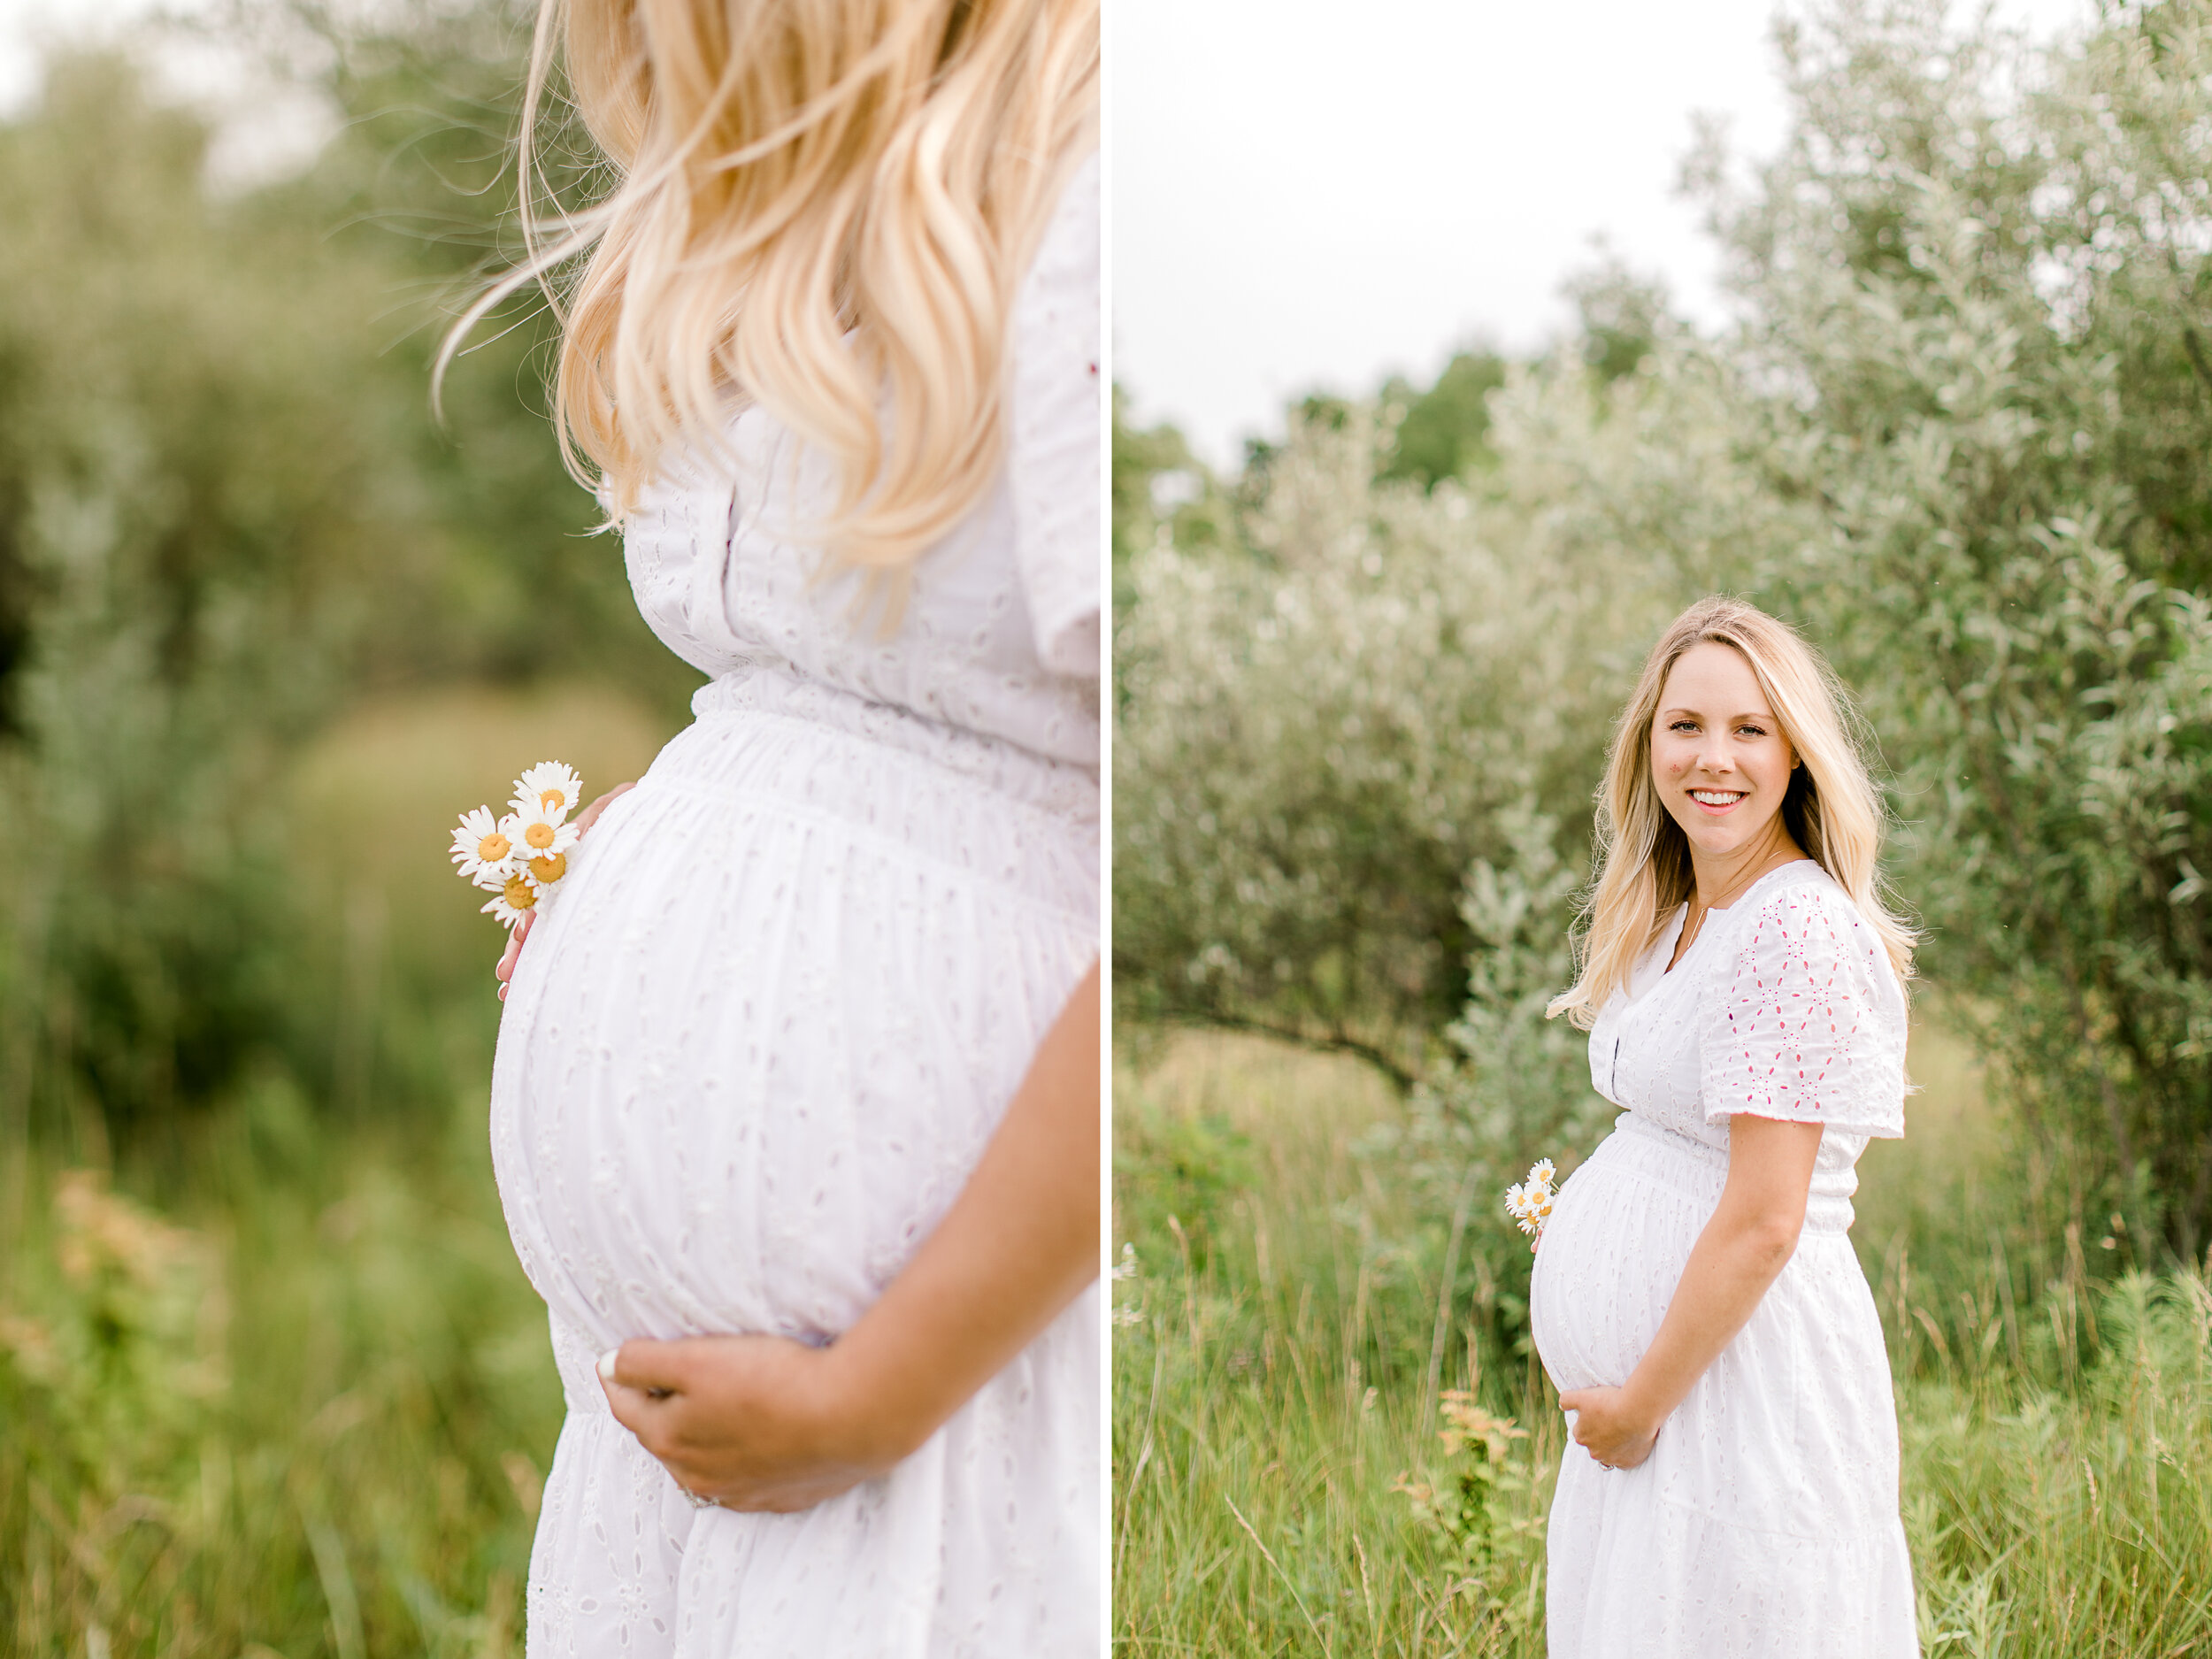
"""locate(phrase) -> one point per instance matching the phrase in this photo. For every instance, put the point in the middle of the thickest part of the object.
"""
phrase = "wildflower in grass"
(1131, 1312)
(551, 787)
(484, 848)
(1471, 1501)
(1467, 1423)
(513, 901)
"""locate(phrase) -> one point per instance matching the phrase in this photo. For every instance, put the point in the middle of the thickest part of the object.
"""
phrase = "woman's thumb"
(641, 1364)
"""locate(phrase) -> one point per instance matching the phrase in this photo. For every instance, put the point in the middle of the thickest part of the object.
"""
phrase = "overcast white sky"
(1314, 195)
(263, 129)
(24, 24)
(1311, 194)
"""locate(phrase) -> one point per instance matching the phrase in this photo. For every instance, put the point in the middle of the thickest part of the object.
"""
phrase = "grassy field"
(1320, 1450)
(274, 1383)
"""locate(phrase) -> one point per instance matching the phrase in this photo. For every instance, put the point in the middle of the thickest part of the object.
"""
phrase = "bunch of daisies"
(520, 859)
(1530, 1203)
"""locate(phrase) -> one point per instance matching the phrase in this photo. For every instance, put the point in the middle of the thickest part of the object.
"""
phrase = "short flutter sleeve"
(1056, 411)
(1803, 1019)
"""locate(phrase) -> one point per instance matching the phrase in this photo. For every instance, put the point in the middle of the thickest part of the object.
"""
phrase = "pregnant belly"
(1612, 1254)
(752, 1055)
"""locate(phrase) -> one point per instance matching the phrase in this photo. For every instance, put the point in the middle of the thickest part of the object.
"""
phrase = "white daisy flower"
(514, 901)
(483, 846)
(1530, 1203)
(549, 787)
(543, 836)
(545, 870)
(1517, 1205)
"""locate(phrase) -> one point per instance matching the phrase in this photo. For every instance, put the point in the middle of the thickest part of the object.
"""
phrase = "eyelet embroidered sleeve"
(1804, 1020)
(1055, 423)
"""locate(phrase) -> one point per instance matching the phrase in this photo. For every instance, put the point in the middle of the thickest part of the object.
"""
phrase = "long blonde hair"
(1831, 808)
(823, 207)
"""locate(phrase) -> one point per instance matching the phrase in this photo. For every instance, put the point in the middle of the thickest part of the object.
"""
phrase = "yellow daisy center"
(521, 894)
(494, 847)
(549, 869)
(552, 799)
(539, 835)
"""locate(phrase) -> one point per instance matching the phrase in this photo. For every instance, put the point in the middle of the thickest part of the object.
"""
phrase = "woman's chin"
(1724, 835)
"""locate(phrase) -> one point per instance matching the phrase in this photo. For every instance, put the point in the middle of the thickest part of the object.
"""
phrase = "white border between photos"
(1106, 831)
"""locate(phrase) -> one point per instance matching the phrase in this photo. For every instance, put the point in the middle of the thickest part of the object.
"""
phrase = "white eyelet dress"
(1765, 1524)
(759, 1038)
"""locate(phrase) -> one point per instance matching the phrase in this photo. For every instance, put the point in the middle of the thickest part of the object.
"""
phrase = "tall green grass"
(1290, 1477)
(306, 1411)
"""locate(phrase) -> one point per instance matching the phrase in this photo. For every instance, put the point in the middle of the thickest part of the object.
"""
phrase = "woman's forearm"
(1018, 1245)
(1735, 1259)
(1743, 1249)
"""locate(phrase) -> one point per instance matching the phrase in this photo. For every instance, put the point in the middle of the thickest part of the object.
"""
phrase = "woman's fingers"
(645, 1365)
(505, 970)
(752, 1422)
(644, 1382)
(589, 815)
(1598, 1423)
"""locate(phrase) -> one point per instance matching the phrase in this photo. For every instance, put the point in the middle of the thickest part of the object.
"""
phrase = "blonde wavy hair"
(1832, 809)
(823, 207)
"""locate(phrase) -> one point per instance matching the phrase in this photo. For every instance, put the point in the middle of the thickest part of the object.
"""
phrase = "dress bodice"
(1783, 1006)
(999, 630)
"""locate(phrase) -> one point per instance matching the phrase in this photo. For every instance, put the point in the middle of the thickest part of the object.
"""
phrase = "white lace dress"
(757, 1043)
(1765, 1524)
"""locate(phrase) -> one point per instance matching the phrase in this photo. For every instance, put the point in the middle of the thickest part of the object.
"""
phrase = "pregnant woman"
(1731, 1488)
(795, 1111)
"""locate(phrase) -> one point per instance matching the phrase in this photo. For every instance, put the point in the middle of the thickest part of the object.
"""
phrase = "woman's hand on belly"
(1608, 1427)
(759, 1423)
(752, 1422)
(585, 819)
(1740, 1251)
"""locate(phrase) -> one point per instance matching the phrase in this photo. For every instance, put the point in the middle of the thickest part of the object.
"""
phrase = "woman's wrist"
(869, 1417)
(1643, 1400)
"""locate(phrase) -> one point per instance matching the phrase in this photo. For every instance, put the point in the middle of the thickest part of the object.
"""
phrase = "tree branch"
(1337, 1042)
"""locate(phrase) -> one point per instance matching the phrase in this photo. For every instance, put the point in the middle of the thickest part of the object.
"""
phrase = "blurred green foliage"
(226, 515)
(1958, 435)
(270, 1378)
(1444, 429)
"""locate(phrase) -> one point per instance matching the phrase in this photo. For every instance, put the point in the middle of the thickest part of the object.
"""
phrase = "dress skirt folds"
(1764, 1524)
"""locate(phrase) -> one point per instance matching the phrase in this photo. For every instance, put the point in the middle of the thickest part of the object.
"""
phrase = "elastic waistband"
(1640, 1148)
(757, 691)
(977, 810)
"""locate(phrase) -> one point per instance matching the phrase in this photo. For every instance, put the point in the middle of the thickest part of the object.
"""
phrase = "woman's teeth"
(1716, 797)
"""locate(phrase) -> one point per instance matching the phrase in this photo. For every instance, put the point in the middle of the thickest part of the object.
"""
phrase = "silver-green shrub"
(1959, 434)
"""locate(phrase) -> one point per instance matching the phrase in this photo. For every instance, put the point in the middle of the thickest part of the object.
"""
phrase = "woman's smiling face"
(1719, 757)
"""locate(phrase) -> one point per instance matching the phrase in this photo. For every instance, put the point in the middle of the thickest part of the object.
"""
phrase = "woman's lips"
(1722, 802)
